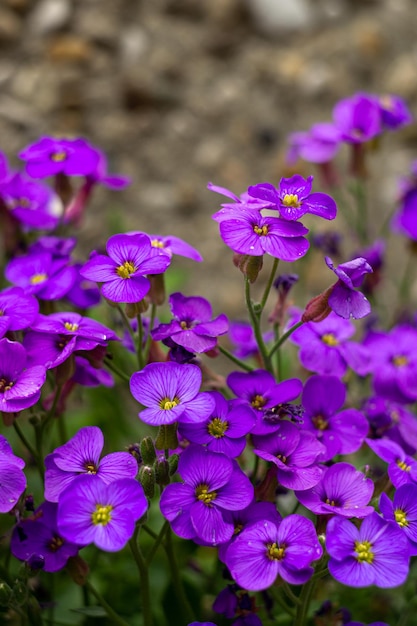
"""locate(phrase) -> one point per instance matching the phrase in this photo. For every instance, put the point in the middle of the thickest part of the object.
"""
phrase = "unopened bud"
(78, 570)
(133, 309)
(5, 593)
(250, 266)
(162, 472)
(20, 592)
(156, 294)
(147, 480)
(147, 450)
(318, 308)
(167, 437)
(173, 464)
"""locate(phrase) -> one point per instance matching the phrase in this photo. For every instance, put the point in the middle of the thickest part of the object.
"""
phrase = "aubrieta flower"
(320, 144)
(233, 601)
(122, 272)
(17, 310)
(362, 624)
(344, 299)
(83, 293)
(375, 554)
(242, 336)
(38, 535)
(392, 420)
(403, 511)
(12, 477)
(293, 198)
(343, 490)
(171, 393)
(267, 550)
(225, 430)
(358, 118)
(20, 386)
(394, 111)
(402, 468)
(325, 347)
(213, 484)
(342, 432)
(172, 245)
(81, 455)
(49, 156)
(91, 511)
(192, 326)
(242, 202)
(31, 203)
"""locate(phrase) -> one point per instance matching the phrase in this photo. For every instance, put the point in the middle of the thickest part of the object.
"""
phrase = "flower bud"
(78, 570)
(173, 464)
(147, 480)
(156, 294)
(147, 450)
(162, 472)
(133, 309)
(318, 308)
(167, 437)
(5, 593)
(250, 266)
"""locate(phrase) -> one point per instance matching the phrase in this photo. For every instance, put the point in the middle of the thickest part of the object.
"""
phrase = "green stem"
(144, 579)
(255, 469)
(256, 327)
(359, 193)
(140, 341)
(278, 360)
(176, 580)
(110, 612)
(157, 543)
(29, 447)
(269, 283)
(149, 337)
(290, 594)
(235, 360)
(279, 597)
(304, 602)
(127, 323)
(116, 370)
(150, 532)
(284, 337)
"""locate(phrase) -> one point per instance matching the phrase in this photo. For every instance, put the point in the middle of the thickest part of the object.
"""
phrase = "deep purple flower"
(295, 454)
(240, 204)
(91, 511)
(84, 293)
(81, 455)
(328, 242)
(130, 258)
(394, 111)
(266, 397)
(255, 235)
(89, 376)
(404, 220)
(40, 274)
(17, 310)
(20, 386)
(172, 245)
(362, 624)
(293, 198)
(58, 247)
(343, 490)
(403, 511)
(376, 554)
(392, 420)
(38, 535)
(171, 393)
(358, 118)
(12, 477)
(266, 550)
(202, 624)
(320, 144)
(344, 299)
(213, 484)
(242, 336)
(192, 326)
(233, 601)
(402, 469)
(342, 432)
(49, 156)
(31, 203)
(326, 349)
(226, 428)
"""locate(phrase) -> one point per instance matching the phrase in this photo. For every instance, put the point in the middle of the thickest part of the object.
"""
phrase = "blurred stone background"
(182, 92)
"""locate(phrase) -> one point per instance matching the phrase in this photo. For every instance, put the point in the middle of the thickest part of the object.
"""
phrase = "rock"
(49, 16)
(133, 44)
(10, 26)
(70, 48)
(400, 76)
(278, 16)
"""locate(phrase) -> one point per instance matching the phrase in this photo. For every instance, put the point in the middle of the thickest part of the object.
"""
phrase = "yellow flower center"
(125, 270)
(184, 325)
(5, 385)
(320, 422)
(70, 326)
(401, 518)
(102, 514)
(156, 243)
(58, 157)
(38, 278)
(274, 553)
(261, 230)
(364, 552)
(217, 427)
(403, 465)
(330, 340)
(331, 502)
(56, 543)
(400, 360)
(90, 467)
(258, 402)
(204, 495)
(291, 199)
(166, 404)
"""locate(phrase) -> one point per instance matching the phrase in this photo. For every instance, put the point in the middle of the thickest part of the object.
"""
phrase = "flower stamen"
(364, 552)
(217, 427)
(102, 514)
(125, 270)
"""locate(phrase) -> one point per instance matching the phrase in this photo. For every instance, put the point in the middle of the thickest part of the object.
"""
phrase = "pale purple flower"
(172, 245)
(392, 420)
(242, 336)
(344, 299)
(320, 144)
(17, 310)
(49, 156)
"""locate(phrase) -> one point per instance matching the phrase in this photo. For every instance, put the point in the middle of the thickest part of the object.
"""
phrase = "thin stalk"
(256, 327)
(304, 602)
(149, 337)
(29, 447)
(290, 594)
(127, 323)
(235, 360)
(255, 469)
(284, 337)
(269, 284)
(116, 619)
(278, 360)
(116, 370)
(144, 579)
(157, 543)
(279, 597)
(176, 579)
(140, 341)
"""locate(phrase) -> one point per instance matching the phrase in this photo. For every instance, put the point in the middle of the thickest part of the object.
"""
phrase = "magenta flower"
(242, 336)
(192, 326)
(31, 203)
(17, 310)
(213, 484)
(89, 511)
(172, 245)
(130, 258)
(293, 198)
(49, 156)
(320, 144)
(394, 112)
(12, 477)
(39, 273)
(344, 299)
(375, 554)
(358, 118)
(20, 386)
(402, 468)
(171, 393)
(81, 455)
(267, 550)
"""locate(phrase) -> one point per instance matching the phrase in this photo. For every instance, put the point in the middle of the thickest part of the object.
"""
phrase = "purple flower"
(325, 348)
(295, 454)
(318, 145)
(343, 490)
(38, 535)
(213, 484)
(394, 421)
(89, 376)
(252, 234)
(171, 392)
(240, 204)
(404, 220)
(394, 111)
(344, 299)
(90, 511)
(58, 247)
(12, 477)
(81, 455)
(375, 554)
(267, 550)
(341, 432)
(192, 326)
(31, 203)
(293, 198)
(241, 334)
(403, 511)
(20, 386)
(265, 396)
(172, 245)
(357, 118)
(40, 274)
(226, 428)
(84, 293)
(49, 156)
(402, 469)
(130, 258)
(17, 310)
